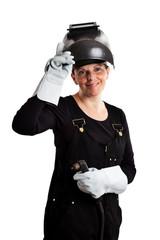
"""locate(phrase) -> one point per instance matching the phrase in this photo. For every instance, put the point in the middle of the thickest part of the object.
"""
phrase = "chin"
(95, 94)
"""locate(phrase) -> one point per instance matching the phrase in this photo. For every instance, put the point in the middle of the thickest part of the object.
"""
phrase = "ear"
(74, 79)
(108, 71)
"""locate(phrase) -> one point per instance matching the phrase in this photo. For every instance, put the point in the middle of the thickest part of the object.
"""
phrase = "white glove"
(97, 182)
(57, 70)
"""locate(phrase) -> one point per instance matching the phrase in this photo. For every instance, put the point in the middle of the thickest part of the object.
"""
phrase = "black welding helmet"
(88, 44)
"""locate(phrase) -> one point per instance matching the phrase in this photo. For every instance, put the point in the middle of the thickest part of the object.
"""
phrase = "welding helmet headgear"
(88, 44)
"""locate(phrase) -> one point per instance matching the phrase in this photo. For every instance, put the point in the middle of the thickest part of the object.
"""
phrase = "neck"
(94, 107)
(88, 101)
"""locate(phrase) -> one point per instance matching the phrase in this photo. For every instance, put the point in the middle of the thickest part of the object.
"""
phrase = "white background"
(30, 31)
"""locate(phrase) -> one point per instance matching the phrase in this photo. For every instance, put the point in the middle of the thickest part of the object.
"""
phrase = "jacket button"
(72, 203)
(106, 148)
(81, 129)
(110, 159)
(120, 134)
(54, 199)
(115, 160)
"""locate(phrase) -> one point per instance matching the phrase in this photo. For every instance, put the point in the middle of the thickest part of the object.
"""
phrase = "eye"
(97, 69)
(81, 72)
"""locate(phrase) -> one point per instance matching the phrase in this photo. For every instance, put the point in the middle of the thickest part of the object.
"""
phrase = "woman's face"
(91, 78)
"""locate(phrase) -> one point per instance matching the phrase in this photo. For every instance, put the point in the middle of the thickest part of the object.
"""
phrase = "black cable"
(101, 210)
(81, 165)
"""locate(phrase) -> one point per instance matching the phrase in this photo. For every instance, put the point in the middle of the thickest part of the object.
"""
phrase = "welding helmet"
(88, 44)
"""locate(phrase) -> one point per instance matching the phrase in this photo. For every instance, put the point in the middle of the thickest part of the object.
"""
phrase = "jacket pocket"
(77, 219)
(54, 213)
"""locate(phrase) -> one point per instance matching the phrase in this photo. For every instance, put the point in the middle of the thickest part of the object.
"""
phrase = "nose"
(90, 75)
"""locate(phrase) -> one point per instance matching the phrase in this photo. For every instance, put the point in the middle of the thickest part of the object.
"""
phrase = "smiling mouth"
(92, 84)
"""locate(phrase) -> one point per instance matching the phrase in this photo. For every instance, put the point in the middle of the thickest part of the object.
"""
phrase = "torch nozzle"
(80, 165)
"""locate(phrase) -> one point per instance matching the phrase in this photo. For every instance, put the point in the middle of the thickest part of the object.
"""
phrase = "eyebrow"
(98, 64)
(81, 69)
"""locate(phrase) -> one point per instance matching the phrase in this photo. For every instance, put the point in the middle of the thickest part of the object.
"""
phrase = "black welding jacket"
(70, 213)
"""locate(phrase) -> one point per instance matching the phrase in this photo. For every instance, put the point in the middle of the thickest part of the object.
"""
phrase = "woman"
(85, 128)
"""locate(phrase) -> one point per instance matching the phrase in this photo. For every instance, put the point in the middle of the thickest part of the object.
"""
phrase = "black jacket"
(70, 213)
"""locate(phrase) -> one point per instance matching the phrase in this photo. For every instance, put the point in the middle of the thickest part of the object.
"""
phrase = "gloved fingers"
(80, 176)
(61, 60)
(84, 185)
(60, 47)
(66, 53)
(82, 188)
(59, 50)
(92, 169)
(90, 189)
(69, 60)
(87, 175)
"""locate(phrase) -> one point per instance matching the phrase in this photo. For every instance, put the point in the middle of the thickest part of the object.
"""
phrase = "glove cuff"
(49, 92)
(117, 180)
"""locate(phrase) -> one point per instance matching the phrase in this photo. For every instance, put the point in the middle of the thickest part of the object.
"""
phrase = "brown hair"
(76, 66)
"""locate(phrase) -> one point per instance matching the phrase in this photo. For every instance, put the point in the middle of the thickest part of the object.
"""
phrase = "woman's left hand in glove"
(98, 182)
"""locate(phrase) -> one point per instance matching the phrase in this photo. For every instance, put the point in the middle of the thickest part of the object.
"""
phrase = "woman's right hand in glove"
(56, 71)
(58, 68)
